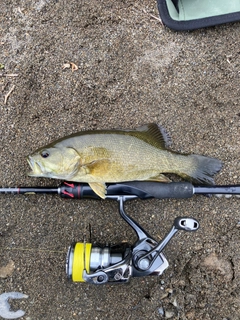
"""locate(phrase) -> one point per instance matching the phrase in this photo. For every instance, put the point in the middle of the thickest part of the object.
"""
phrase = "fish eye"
(44, 154)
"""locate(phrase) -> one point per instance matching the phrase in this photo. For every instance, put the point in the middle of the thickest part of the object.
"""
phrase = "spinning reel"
(118, 263)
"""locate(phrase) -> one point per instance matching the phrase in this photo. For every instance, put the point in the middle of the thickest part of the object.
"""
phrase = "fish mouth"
(37, 169)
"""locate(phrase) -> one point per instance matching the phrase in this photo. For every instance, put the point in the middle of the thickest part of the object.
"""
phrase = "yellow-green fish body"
(101, 156)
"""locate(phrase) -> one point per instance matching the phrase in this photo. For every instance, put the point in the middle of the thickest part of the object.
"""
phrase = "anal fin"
(99, 188)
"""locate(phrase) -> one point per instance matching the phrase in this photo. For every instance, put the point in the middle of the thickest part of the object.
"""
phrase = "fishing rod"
(139, 189)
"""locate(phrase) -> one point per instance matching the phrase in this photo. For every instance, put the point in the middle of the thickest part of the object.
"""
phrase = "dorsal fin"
(152, 134)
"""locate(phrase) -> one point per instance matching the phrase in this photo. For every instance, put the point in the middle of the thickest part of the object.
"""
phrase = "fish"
(98, 157)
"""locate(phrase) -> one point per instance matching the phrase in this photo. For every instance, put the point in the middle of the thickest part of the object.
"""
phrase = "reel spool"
(84, 257)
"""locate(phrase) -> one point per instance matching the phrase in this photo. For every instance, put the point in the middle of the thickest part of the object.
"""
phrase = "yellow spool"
(81, 251)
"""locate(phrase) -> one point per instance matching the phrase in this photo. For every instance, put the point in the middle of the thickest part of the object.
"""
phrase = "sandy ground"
(131, 71)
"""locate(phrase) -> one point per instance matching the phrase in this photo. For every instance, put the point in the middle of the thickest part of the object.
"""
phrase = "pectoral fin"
(99, 188)
(97, 168)
(160, 178)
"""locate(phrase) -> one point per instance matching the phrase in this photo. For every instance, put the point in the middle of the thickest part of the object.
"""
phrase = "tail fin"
(203, 169)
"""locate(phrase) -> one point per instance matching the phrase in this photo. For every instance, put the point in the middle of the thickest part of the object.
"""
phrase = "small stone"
(169, 314)
(7, 270)
(66, 66)
(174, 303)
(169, 291)
(161, 311)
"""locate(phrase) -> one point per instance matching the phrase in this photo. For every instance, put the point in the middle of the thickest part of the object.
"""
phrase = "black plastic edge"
(193, 24)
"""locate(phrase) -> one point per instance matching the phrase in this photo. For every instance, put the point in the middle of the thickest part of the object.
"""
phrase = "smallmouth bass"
(109, 156)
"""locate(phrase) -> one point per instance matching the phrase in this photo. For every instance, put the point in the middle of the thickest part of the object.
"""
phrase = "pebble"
(169, 314)
(161, 311)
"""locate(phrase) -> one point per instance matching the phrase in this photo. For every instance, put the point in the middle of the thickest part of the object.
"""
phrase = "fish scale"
(134, 152)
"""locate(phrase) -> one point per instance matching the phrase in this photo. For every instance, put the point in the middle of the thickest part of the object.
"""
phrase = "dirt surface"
(131, 71)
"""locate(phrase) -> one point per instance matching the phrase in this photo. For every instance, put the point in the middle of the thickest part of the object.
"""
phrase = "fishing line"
(32, 249)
